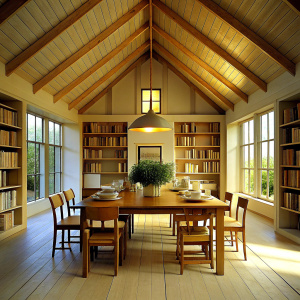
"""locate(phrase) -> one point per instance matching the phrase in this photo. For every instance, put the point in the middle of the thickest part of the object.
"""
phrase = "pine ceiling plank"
(24, 56)
(7, 43)
(99, 64)
(141, 60)
(11, 7)
(108, 75)
(294, 5)
(189, 83)
(191, 73)
(249, 34)
(93, 43)
(194, 32)
(201, 63)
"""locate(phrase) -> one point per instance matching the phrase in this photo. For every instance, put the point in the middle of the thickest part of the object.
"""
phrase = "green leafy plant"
(152, 172)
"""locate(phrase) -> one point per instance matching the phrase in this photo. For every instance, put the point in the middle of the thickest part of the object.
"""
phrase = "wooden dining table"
(169, 202)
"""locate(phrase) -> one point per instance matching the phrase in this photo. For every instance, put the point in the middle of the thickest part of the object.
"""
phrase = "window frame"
(148, 101)
(257, 165)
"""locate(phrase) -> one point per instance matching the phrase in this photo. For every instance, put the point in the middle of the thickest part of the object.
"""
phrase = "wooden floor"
(150, 271)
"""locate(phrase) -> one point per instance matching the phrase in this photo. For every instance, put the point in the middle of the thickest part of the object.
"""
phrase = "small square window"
(155, 100)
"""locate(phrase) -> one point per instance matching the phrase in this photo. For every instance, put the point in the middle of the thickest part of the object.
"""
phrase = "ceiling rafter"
(273, 53)
(183, 67)
(294, 5)
(137, 52)
(201, 63)
(189, 83)
(89, 46)
(210, 44)
(140, 60)
(10, 8)
(99, 64)
(48, 37)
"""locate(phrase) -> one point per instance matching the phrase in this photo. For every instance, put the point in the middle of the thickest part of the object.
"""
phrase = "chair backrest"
(243, 204)
(56, 201)
(228, 200)
(69, 196)
(196, 215)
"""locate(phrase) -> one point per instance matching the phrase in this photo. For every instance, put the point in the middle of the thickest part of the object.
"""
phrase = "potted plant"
(151, 174)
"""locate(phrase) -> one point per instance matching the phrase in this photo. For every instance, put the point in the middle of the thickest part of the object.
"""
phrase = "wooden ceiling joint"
(89, 46)
(183, 67)
(294, 5)
(137, 52)
(48, 37)
(10, 8)
(210, 44)
(273, 53)
(99, 64)
(140, 60)
(201, 63)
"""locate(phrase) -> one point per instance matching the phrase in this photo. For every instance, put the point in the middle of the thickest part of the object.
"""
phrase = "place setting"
(196, 196)
(107, 193)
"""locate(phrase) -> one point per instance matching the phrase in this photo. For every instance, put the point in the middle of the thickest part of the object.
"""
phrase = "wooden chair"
(65, 223)
(228, 200)
(233, 224)
(69, 196)
(102, 238)
(195, 235)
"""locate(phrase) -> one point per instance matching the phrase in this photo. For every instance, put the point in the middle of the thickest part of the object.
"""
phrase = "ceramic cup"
(196, 194)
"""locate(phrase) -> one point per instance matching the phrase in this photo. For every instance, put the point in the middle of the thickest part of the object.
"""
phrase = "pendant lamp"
(150, 122)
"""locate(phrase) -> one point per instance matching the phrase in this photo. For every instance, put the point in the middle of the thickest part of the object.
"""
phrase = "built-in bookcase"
(197, 150)
(288, 222)
(11, 201)
(104, 150)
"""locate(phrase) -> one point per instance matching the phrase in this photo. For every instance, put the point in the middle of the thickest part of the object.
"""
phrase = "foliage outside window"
(257, 156)
(35, 154)
(156, 103)
(54, 157)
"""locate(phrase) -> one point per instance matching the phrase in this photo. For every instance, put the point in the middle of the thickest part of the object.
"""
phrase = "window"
(257, 156)
(155, 100)
(44, 151)
(35, 154)
(54, 157)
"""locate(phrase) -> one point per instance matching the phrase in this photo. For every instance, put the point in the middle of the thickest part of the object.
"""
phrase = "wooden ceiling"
(77, 50)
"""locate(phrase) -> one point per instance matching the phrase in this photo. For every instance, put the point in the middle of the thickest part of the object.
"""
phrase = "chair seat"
(230, 222)
(72, 220)
(103, 238)
(197, 233)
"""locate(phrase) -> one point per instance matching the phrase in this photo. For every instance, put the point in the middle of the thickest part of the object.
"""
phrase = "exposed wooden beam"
(137, 52)
(99, 64)
(42, 42)
(10, 7)
(273, 53)
(183, 67)
(210, 44)
(89, 46)
(190, 84)
(294, 5)
(141, 60)
(201, 63)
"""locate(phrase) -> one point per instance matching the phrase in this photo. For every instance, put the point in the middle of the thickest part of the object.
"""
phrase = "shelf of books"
(288, 222)
(11, 204)
(104, 154)
(197, 151)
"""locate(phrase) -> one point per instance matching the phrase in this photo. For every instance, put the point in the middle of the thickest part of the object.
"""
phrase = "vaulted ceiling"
(77, 50)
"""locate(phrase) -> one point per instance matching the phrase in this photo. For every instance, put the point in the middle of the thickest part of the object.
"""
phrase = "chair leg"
(132, 223)
(171, 215)
(54, 242)
(177, 246)
(116, 249)
(125, 240)
(231, 237)
(211, 253)
(121, 250)
(129, 226)
(69, 236)
(244, 244)
(236, 241)
(174, 226)
(181, 254)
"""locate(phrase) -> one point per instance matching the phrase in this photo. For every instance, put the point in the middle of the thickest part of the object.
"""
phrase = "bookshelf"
(12, 204)
(104, 151)
(288, 202)
(197, 151)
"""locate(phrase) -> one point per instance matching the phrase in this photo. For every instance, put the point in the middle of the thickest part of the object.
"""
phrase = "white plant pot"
(151, 190)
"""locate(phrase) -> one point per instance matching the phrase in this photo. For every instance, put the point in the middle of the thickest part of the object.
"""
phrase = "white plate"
(203, 198)
(105, 199)
(107, 194)
(176, 189)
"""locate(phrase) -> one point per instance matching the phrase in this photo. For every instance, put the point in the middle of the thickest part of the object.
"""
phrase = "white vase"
(151, 190)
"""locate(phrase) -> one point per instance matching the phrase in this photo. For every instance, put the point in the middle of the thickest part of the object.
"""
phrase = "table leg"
(220, 241)
(82, 220)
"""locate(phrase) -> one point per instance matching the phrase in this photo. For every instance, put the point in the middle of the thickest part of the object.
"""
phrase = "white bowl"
(108, 195)
(107, 189)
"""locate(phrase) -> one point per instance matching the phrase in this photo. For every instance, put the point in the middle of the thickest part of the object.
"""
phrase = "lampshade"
(150, 122)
